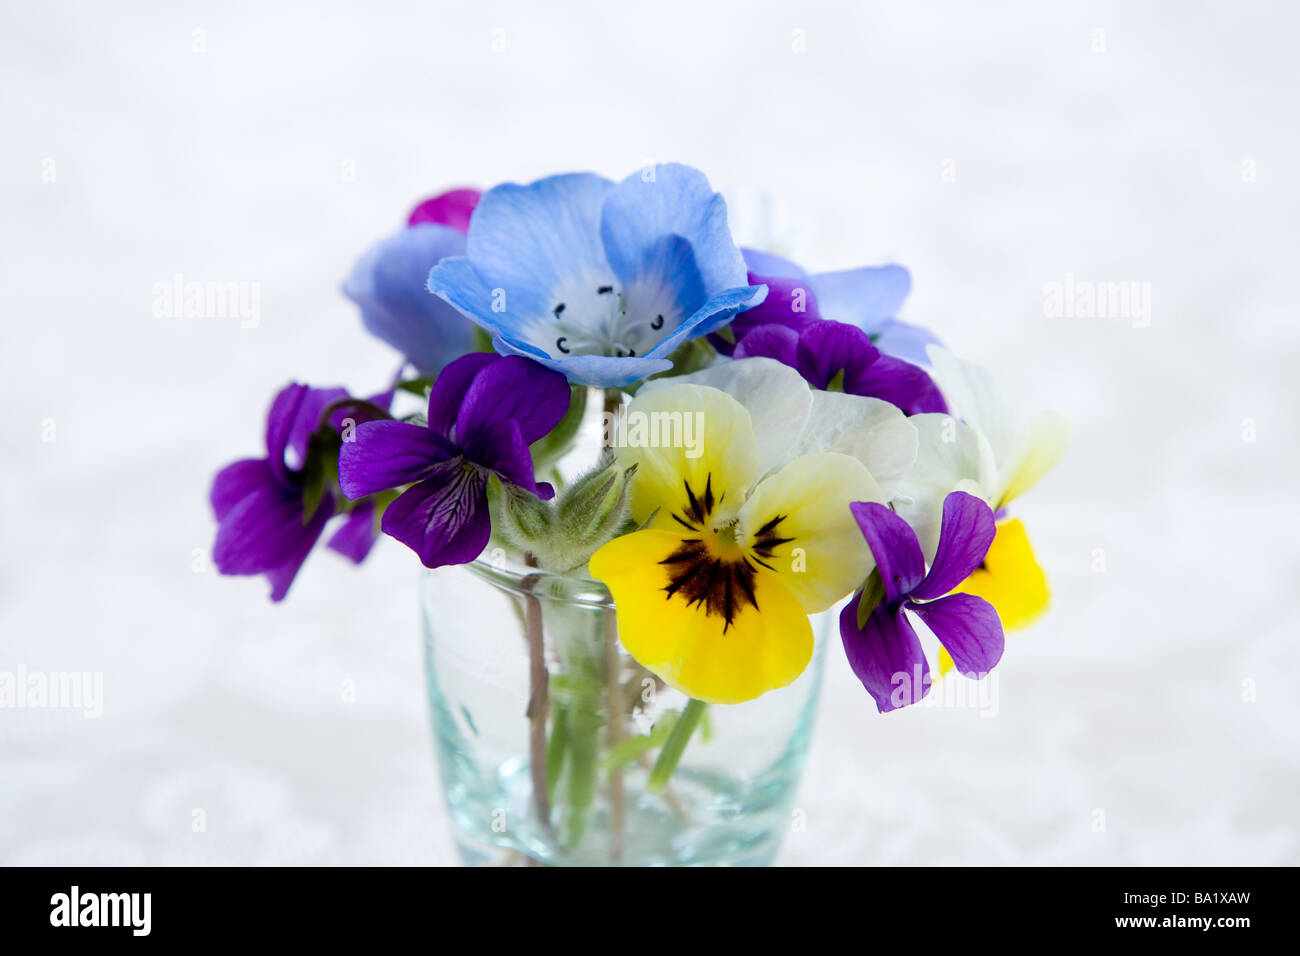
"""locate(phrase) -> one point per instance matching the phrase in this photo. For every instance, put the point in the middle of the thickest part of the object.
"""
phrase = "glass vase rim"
(510, 573)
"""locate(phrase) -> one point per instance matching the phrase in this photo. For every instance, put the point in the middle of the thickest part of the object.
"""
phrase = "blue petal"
(642, 210)
(600, 371)
(455, 281)
(608, 371)
(596, 281)
(539, 243)
(666, 291)
(771, 266)
(389, 283)
(712, 315)
(905, 341)
(864, 297)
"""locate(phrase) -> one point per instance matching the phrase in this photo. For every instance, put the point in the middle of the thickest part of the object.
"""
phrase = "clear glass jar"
(546, 733)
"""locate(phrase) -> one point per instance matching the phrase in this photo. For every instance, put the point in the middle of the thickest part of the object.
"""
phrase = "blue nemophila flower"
(600, 281)
(389, 284)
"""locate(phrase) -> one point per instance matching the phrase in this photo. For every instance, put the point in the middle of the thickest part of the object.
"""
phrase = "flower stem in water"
(584, 730)
(675, 746)
(538, 704)
(555, 750)
(617, 806)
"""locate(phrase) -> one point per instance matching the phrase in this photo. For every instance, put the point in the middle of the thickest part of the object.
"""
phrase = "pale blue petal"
(711, 316)
(458, 283)
(862, 297)
(540, 242)
(905, 341)
(771, 266)
(389, 284)
(600, 371)
(675, 201)
(667, 291)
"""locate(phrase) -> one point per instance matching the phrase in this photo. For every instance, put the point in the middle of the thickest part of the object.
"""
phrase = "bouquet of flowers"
(762, 443)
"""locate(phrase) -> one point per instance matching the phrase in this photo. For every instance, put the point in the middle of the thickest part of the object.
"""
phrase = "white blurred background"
(1151, 718)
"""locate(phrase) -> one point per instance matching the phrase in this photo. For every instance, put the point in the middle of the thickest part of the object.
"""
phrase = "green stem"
(556, 748)
(583, 739)
(538, 704)
(675, 746)
(613, 402)
(614, 693)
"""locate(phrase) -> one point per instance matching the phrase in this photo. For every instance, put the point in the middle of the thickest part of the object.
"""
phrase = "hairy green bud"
(523, 519)
(590, 512)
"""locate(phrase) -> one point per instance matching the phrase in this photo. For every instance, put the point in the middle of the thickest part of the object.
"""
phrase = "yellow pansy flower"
(713, 594)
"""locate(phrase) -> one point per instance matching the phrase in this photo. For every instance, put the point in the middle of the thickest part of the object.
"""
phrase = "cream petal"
(776, 396)
(1037, 449)
(951, 456)
(873, 431)
(827, 557)
(973, 395)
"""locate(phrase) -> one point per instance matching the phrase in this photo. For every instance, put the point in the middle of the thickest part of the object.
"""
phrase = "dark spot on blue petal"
(559, 344)
(658, 323)
(557, 310)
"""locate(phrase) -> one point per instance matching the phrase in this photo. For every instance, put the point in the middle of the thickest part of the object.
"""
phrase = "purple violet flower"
(868, 298)
(484, 412)
(260, 504)
(790, 303)
(886, 654)
(820, 350)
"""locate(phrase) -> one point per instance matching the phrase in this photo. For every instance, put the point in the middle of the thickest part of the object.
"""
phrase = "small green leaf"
(836, 384)
(382, 500)
(319, 470)
(633, 747)
(648, 521)
(418, 386)
(873, 592)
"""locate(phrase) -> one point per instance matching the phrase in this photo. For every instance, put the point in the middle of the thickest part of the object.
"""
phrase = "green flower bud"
(523, 519)
(589, 513)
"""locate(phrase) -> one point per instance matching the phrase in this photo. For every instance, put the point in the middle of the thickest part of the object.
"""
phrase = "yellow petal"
(1011, 578)
(691, 648)
(826, 556)
(686, 434)
(1037, 449)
